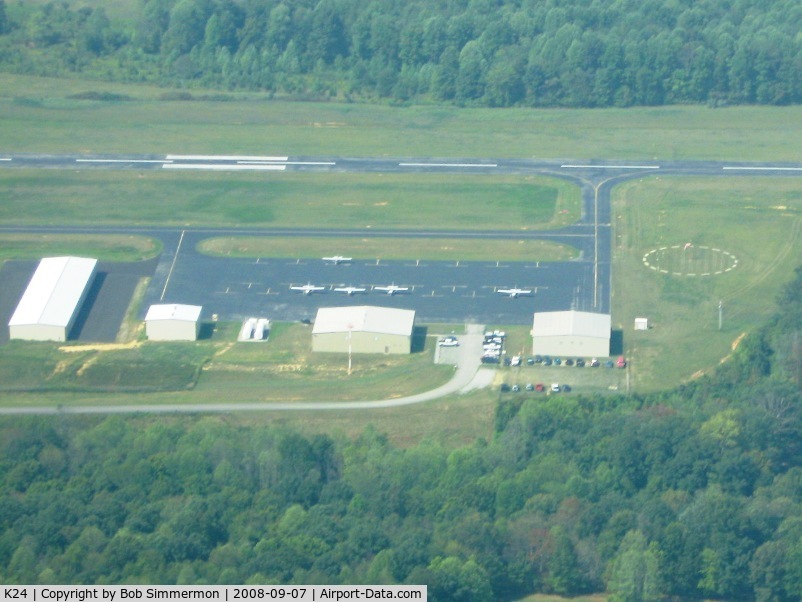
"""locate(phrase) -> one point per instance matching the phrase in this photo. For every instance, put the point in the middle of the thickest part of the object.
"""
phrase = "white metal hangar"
(50, 304)
(173, 322)
(363, 329)
(566, 333)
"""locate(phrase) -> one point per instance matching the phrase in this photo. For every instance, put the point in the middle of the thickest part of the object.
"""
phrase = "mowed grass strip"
(37, 115)
(105, 247)
(756, 220)
(444, 249)
(308, 200)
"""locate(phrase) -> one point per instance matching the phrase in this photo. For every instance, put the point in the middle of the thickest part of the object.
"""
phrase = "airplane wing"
(350, 289)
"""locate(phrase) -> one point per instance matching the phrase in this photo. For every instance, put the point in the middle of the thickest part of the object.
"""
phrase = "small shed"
(363, 329)
(571, 333)
(641, 323)
(173, 322)
(54, 296)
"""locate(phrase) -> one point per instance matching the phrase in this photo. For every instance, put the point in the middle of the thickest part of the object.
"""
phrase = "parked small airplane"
(335, 259)
(514, 292)
(350, 290)
(391, 289)
(308, 289)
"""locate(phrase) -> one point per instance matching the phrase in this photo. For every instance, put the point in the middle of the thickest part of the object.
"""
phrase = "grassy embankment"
(740, 216)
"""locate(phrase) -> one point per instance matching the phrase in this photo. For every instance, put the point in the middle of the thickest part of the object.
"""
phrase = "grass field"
(100, 246)
(45, 367)
(752, 221)
(451, 249)
(285, 200)
(37, 115)
(282, 369)
(285, 369)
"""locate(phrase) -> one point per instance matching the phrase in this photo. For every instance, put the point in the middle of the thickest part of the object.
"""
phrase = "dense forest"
(538, 53)
(692, 493)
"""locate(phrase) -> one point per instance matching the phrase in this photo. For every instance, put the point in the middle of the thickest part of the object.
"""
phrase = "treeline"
(573, 53)
(694, 493)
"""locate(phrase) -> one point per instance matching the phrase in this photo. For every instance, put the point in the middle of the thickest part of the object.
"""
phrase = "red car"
(622, 362)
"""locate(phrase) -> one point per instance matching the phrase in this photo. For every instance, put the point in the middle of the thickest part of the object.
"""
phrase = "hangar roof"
(364, 318)
(174, 311)
(54, 291)
(572, 323)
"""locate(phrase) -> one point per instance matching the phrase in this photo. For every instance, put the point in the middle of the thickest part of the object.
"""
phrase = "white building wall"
(171, 330)
(571, 346)
(37, 332)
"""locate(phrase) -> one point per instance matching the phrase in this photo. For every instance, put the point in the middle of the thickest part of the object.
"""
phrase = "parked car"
(540, 387)
(621, 362)
(555, 387)
(580, 363)
(594, 363)
(448, 342)
(566, 388)
(569, 362)
(530, 387)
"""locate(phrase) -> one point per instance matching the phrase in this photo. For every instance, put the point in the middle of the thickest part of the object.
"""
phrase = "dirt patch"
(85, 366)
(100, 347)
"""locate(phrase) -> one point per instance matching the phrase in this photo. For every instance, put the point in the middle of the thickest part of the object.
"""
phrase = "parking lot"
(536, 378)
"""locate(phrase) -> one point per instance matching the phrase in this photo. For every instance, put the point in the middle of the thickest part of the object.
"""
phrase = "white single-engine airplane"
(514, 292)
(392, 289)
(308, 289)
(336, 259)
(350, 290)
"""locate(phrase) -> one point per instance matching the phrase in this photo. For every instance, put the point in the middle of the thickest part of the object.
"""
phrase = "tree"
(444, 86)
(457, 581)
(327, 35)
(635, 574)
(564, 575)
(95, 31)
(470, 78)
(5, 26)
(279, 27)
(153, 22)
(767, 572)
(187, 26)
